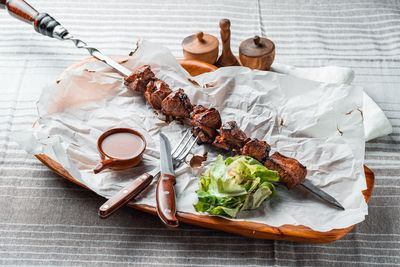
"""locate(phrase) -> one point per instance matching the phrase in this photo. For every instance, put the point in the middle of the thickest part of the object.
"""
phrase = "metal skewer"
(321, 194)
(97, 54)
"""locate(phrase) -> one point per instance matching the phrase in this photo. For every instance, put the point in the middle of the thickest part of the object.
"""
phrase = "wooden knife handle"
(165, 196)
(42, 22)
(125, 195)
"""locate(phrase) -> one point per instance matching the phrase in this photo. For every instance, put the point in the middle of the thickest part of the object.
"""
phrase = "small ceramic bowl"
(116, 162)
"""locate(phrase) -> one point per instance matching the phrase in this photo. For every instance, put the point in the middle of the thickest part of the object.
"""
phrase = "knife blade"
(321, 194)
(166, 164)
(165, 193)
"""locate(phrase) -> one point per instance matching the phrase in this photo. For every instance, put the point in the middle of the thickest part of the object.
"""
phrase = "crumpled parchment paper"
(318, 124)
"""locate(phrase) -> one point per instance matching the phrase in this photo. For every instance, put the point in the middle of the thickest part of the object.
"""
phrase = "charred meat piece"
(156, 91)
(138, 80)
(206, 117)
(205, 123)
(231, 135)
(220, 143)
(205, 134)
(291, 171)
(177, 104)
(256, 149)
(198, 109)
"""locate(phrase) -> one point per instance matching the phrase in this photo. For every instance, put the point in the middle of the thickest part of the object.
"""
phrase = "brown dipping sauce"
(122, 145)
(120, 148)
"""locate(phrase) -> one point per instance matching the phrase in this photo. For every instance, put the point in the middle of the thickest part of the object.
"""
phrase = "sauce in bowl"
(120, 148)
(122, 145)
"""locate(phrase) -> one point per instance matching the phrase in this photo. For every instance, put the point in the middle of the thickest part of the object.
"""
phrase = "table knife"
(165, 193)
(44, 24)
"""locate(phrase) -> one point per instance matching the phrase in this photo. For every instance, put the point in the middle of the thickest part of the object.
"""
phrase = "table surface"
(46, 220)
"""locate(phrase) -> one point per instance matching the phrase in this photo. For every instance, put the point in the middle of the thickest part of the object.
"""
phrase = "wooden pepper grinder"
(257, 53)
(226, 58)
(200, 46)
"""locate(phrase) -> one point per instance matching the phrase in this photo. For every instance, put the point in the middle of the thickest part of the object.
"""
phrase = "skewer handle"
(42, 22)
(20, 10)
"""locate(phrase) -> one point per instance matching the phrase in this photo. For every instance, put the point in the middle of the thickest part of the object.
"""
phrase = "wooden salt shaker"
(226, 58)
(257, 53)
(200, 46)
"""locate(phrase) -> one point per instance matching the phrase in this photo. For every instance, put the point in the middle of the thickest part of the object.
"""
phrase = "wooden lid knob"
(200, 43)
(199, 36)
(256, 47)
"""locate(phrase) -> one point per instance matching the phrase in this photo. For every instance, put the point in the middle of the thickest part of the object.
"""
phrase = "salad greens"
(234, 184)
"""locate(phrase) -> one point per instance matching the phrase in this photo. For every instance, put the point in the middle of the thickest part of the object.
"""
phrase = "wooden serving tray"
(297, 233)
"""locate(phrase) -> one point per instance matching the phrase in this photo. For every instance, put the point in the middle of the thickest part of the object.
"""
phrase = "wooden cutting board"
(296, 233)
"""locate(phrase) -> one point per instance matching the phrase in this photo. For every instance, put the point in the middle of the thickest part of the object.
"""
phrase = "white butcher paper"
(319, 124)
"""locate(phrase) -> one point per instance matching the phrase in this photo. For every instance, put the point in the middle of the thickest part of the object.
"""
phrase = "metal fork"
(179, 153)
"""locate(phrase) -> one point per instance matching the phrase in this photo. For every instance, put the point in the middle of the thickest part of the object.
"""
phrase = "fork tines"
(182, 149)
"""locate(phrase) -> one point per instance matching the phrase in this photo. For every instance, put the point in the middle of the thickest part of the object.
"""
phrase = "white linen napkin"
(376, 124)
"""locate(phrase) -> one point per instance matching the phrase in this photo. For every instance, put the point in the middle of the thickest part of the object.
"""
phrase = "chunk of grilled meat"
(177, 104)
(220, 143)
(291, 171)
(207, 117)
(256, 149)
(156, 91)
(198, 109)
(205, 123)
(138, 80)
(205, 134)
(231, 136)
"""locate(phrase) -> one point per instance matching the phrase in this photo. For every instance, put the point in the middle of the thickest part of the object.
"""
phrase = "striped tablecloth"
(46, 220)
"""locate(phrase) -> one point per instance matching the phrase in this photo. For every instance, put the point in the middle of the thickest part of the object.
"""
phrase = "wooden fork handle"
(165, 196)
(42, 22)
(125, 195)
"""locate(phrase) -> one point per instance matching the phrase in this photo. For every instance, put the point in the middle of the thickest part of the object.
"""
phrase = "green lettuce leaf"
(255, 199)
(234, 184)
